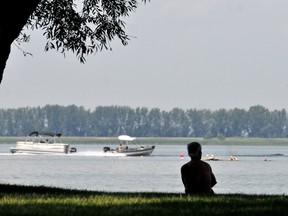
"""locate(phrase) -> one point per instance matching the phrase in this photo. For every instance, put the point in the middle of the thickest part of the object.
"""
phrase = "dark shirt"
(197, 177)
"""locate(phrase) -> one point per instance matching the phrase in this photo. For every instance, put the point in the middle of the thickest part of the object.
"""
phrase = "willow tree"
(80, 26)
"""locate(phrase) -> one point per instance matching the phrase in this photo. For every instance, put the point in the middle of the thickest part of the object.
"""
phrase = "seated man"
(121, 147)
(197, 175)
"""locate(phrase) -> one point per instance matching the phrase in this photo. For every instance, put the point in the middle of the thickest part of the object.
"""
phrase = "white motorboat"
(128, 147)
(42, 143)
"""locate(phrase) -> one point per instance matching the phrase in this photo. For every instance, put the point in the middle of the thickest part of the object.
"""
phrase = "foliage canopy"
(83, 27)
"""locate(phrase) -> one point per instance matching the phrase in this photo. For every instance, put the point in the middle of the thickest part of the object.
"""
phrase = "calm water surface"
(90, 169)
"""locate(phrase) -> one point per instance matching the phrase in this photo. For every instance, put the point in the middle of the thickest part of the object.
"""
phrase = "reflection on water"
(91, 169)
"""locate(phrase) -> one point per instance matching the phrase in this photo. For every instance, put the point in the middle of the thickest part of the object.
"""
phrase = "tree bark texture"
(13, 17)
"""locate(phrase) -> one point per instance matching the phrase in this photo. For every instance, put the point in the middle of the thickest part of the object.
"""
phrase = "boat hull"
(40, 148)
(141, 151)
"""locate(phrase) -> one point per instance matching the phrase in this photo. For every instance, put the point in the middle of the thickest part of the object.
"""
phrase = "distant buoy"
(182, 155)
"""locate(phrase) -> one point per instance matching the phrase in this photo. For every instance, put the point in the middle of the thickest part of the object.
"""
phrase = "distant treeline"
(107, 121)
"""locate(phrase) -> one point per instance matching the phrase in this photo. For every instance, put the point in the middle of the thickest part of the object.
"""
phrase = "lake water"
(90, 169)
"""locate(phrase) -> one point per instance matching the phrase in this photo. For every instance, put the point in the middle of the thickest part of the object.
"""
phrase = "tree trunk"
(13, 17)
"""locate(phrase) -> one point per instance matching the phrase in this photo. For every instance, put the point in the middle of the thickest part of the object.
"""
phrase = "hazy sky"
(200, 54)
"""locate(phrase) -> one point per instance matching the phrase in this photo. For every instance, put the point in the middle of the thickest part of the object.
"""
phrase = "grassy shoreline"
(40, 200)
(163, 140)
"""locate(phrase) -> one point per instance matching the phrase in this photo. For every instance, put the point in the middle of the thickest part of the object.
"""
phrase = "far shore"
(162, 140)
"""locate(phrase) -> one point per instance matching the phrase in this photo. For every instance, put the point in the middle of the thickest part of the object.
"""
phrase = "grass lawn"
(28, 200)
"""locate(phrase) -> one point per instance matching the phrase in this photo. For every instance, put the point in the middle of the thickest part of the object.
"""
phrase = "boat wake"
(77, 154)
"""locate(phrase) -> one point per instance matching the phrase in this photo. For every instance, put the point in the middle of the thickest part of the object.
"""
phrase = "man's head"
(194, 150)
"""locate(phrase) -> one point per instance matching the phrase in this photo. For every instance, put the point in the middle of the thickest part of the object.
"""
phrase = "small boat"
(232, 158)
(125, 149)
(211, 158)
(42, 143)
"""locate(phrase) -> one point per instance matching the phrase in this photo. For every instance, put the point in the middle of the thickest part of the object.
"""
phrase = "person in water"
(197, 175)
